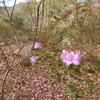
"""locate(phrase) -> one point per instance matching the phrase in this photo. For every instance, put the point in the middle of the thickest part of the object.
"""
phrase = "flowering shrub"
(33, 59)
(71, 57)
(37, 45)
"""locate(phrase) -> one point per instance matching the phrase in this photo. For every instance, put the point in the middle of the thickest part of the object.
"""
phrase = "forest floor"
(25, 83)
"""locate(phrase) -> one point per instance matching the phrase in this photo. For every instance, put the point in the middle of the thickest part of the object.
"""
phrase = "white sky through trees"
(10, 3)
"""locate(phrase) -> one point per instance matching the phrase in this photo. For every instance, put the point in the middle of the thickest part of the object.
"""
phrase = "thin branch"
(42, 15)
(9, 15)
(18, 54)
(3, 83)
(5, 58)
(6, 9)
(13, 9)
(8, 70)
(37, 20)
(38, 10)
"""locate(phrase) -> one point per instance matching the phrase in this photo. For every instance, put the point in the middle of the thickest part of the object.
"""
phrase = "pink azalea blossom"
(71, 57)
(79, 55)
(64, 13)
(37, 45)
(33, 59)
(9, 42)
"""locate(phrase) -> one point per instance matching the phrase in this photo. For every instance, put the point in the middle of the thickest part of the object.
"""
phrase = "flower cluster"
(71, 57)
(33, 59)
(66, 56)
(37, 45)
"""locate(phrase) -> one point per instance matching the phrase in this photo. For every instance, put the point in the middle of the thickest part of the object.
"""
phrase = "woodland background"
(58, 25)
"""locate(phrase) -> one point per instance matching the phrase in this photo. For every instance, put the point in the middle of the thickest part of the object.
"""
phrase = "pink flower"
(64, 13)
(71, 57)
(37, 45)
(63, 55)
(33, 59)
(79, 55)
(9, 42)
